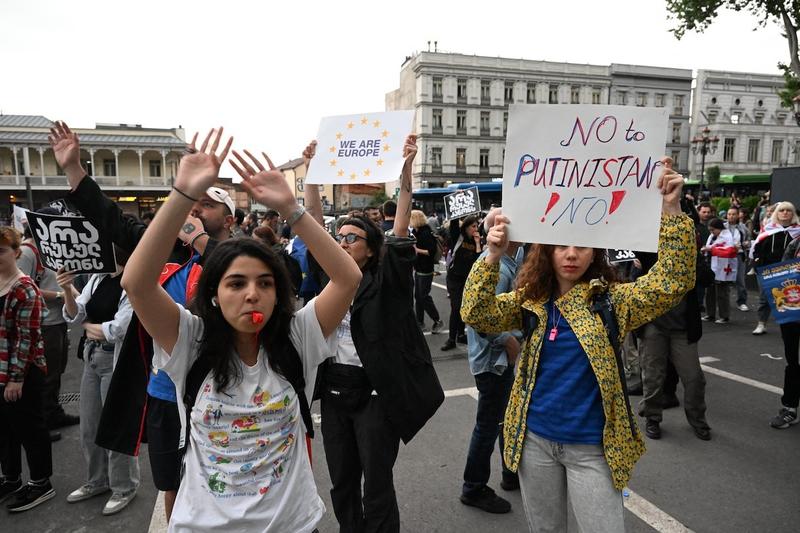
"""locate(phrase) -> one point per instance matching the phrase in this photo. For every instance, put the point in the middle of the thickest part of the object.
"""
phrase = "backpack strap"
(602, 305)
(39, 266)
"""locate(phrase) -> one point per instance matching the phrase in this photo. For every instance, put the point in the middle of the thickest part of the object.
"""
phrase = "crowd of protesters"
(219, 328)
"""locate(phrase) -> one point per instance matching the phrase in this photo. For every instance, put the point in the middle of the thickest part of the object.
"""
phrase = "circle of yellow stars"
(350, 125)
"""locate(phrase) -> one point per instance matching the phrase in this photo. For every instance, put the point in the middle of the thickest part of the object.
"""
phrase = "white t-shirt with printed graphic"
(247, 466)
(345, 348)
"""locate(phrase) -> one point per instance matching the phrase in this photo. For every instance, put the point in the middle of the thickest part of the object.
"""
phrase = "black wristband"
(183, 194)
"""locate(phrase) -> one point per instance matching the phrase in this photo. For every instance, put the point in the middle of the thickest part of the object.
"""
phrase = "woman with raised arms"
(246, 466)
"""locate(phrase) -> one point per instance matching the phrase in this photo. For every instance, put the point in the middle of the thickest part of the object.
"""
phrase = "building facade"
(134, 165)
(744, 111)
(461, 104)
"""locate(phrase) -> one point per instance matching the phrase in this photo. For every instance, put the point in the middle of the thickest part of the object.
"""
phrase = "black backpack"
(201, 367)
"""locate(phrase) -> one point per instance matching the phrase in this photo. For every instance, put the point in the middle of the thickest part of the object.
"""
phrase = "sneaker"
(751, 272)
(702, 433)
(118, 502)
(437, 326)
(707, 318)
(786, 417)
(652, 429)
(55, 436)
(487, 500)
(7, 487)
(31, 495)
(743, 308)
(85, 492)
(722, 321)
(449, 345)
(760, 329)
(63, 420)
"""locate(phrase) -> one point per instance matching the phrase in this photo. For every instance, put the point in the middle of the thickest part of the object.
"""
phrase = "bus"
(431, 201)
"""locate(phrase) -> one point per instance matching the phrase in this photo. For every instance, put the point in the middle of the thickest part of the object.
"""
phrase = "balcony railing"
(7, 180)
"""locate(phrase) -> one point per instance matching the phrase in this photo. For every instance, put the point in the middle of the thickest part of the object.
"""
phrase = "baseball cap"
(221, 196)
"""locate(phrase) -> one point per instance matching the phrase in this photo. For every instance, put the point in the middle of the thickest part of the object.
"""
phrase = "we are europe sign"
(583, 175)
(365, 148)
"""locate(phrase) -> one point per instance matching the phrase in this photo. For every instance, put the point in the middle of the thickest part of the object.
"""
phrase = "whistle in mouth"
(257, 317)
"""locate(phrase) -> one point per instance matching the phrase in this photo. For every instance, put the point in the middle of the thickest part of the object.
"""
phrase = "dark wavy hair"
(374, 238)
(537, 277)
(216, 347)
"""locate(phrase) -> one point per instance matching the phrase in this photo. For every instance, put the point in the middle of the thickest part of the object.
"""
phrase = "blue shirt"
(160, 386)
(565, 405)
(487, 353)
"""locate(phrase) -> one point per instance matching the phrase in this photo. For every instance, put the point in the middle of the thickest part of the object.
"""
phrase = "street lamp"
(705, 144)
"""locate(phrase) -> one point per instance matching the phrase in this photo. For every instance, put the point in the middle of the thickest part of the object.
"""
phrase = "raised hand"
(670, 184)
(497, 239)
(309, 152)
(66, 147)
(268, 187)
(64, 279)
(199, 169)
(409, 153)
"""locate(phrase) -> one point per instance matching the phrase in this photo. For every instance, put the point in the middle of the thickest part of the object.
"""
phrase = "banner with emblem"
(780, 284)
(364, 148)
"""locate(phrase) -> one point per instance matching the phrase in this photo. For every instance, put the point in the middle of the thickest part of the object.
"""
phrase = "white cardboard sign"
(365, 148)
(584, 175)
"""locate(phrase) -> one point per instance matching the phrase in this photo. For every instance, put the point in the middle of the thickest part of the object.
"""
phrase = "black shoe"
(487, 500)
(449, 345)
(668, 402)
(55, 436)
(63, 420)
(30, 496)
(461, 339)
(652, 429)
(7, 488)
(510, 483)
(702, 433)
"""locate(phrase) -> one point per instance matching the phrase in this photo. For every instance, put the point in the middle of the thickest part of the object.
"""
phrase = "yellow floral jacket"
(634, 303)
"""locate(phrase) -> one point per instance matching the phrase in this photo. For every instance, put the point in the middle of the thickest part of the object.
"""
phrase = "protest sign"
(620, 256)
(71, 242)
(20, 219)
(366, 148)
(584, 175)
(780, 284)
(462, 203)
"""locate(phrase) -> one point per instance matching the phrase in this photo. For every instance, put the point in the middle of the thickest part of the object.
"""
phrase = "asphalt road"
(746, 479)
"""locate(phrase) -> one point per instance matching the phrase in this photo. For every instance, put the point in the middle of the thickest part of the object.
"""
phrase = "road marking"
(439, 285)
(646, 511)
(652, 515)
(158, 522)
(440, 332)
(708, 360)
(773, 357)
(741, 379)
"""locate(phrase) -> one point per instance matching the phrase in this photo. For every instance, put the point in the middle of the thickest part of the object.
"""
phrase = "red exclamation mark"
(616, 199)
(554, 197)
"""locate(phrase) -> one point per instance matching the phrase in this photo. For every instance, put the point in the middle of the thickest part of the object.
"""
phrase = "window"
(109, 167)
(508, 92)
(676, 132)
(553, 99)
(678, 104)
(484, 123)
(461, 91)
(735, 118)
(437, 89)
(155, 168)
(531, 93)
(505, 122)
(676, 158)
(712, 116)
(436, 159)
(484, 159)
(796, 152)
(713, 100)
(461, 159)
(596, 95)
(641, 99)
(777, 151)
(622, 98)
(728, 148)
(758, 118)
(461, 121)
(753, 147)
(486, 92)
(575, 95)
(661, 99)
(437, 121)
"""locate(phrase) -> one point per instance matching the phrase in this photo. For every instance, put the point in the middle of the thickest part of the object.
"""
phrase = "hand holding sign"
(409, 153)
(268, 187)
(497, 239)
(66, 147)
(309, 153)
(199, 169)
(671, 184)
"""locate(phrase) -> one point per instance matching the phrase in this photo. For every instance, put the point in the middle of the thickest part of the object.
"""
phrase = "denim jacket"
(486, 352)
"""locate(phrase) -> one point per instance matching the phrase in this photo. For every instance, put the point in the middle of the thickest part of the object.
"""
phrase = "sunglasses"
(350, 238)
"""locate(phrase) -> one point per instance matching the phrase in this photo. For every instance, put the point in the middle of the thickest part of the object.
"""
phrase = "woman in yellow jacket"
(570, 435)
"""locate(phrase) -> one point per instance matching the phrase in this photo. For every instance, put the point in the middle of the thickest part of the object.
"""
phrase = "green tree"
(379, 197)
(712, 178)
(697, 15)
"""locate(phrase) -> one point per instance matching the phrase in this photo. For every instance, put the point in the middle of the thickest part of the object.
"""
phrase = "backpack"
(39, 274)
(294, 270)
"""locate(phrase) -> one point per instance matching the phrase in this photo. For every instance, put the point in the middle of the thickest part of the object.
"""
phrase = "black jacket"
(425, 241)
(770, 249)
(122, 423)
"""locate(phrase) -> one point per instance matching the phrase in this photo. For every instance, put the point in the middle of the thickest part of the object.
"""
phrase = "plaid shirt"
(20, 332)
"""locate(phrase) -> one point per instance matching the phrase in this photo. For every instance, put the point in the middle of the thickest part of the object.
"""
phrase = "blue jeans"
(493, 392)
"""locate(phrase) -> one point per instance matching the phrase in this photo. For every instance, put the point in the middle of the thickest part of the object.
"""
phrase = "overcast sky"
(268, 71)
